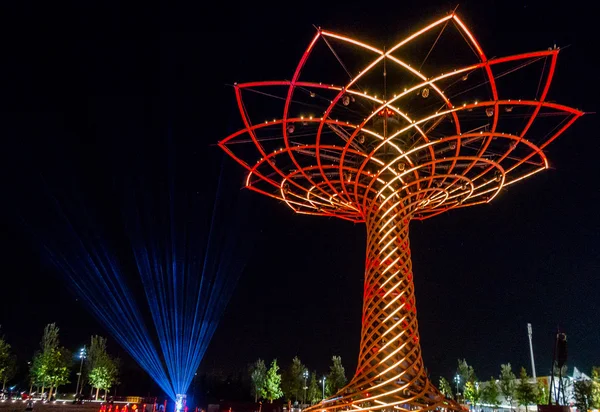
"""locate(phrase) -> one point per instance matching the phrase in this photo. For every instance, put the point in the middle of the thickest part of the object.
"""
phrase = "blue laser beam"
(188, 269)
(82, 257)
(185, 307)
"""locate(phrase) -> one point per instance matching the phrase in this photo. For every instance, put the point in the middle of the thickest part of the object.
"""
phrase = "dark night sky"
(85, 85)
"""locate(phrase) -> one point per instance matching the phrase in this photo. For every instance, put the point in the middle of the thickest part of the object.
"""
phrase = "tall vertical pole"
(457, 380)
(323, 387)
(305, 374)
(82, 354)
(530, 333)
(304, 397)
(79, 378)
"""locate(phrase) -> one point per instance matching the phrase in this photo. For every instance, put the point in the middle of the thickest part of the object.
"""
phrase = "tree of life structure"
(385, 136)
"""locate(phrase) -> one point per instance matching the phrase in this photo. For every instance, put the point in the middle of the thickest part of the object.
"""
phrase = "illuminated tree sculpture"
(385, 136)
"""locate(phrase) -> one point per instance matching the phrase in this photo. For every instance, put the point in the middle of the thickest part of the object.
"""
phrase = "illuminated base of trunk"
(390, 374)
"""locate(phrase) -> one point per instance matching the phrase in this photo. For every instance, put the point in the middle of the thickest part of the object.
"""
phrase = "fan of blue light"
(188, 264)
(82, 256)
(171, 252)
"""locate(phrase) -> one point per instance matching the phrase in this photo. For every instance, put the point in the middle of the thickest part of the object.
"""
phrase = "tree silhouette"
(337, 376)
(445, 388)
(258, 376)
(525, 390)
(314, 392)
(273, 383)
(293, 380)
(508, 383)
(490, 393)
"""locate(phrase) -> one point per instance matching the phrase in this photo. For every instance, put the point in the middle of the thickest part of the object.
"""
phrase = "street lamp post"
(82, 356)
(323, 382)
(305, 374)
(457, 380)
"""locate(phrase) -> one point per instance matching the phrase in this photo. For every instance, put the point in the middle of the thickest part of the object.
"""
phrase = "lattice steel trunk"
(390, 367)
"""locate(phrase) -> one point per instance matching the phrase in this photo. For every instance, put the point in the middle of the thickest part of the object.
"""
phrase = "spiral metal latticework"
(439, 137)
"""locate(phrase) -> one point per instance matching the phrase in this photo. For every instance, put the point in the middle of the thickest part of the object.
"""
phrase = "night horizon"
(85, 110)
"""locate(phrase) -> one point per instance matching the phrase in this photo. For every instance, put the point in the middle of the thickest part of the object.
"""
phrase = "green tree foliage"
(293, 380)
(445, 388)
(582, 392)
(541, 393)
(9, 370)
(36, 372)
(95, 352)
(472, 393)
(314, 392)
(525, 391)
(60, 362)
(490, 393)
(4, 354)
(50, 338)
(51, 366)
(273, 383)
(5, 361)
(508, 383)
(596, 387)
(466, 373)
(258, 377)
(337, 376)
(104, 374)
(102, 370)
